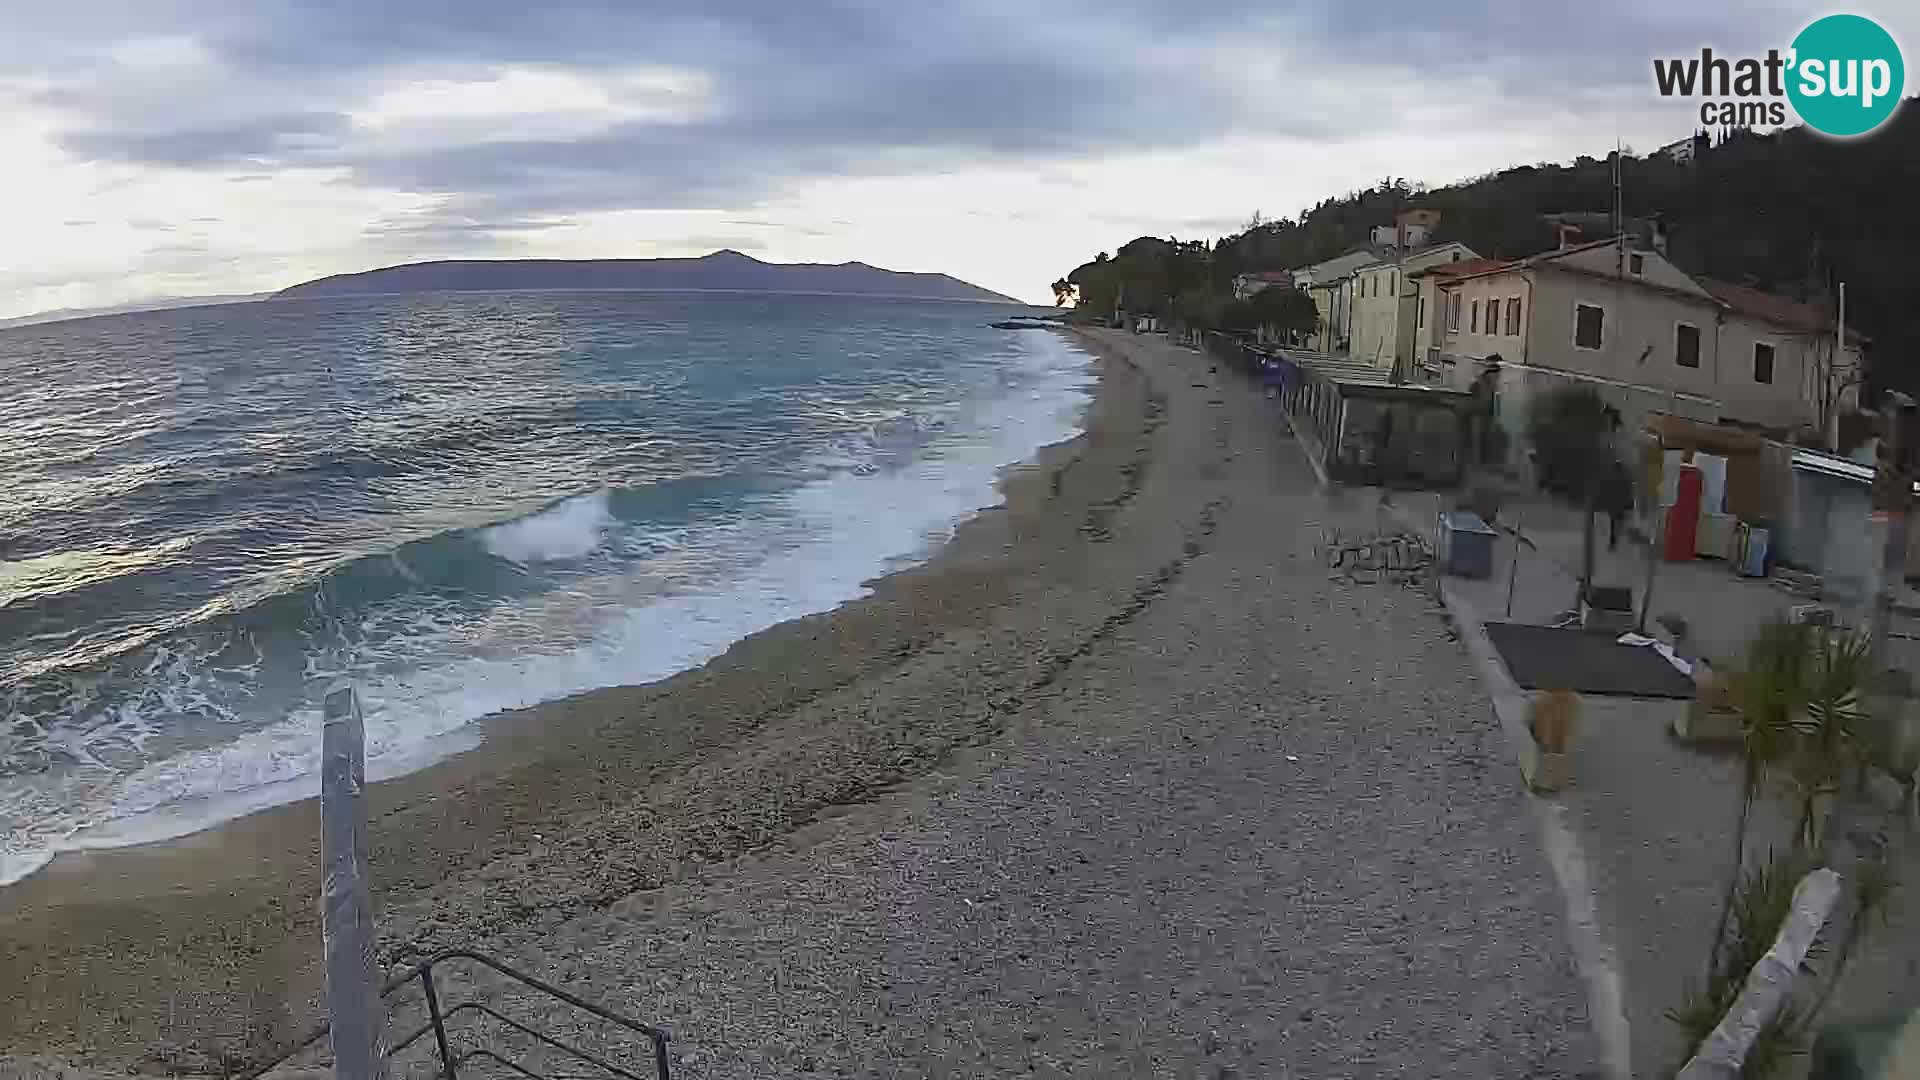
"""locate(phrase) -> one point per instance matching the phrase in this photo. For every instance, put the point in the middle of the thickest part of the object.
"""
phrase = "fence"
(1362, 426)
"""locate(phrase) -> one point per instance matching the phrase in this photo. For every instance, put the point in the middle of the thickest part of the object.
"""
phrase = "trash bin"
(1607, 608)
(1466, 545)
(1750, 549)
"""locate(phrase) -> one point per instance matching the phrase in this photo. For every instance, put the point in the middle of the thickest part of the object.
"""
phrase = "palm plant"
(1802, 702)
(1758, 904)
(1829, 728)
(1767, 692)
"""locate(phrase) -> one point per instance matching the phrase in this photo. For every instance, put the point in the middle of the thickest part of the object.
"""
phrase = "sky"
(183, 147)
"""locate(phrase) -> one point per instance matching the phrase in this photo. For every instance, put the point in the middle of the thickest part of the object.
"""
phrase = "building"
(1635, 327)
(1684, 150)
(1788, 343)
(1408, 234)
(1327, 283)
(1429, 358)
(1246, 285)
(1384, 304)
(1410, 229)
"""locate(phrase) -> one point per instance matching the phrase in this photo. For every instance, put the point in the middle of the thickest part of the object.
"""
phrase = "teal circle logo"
(1845, 75)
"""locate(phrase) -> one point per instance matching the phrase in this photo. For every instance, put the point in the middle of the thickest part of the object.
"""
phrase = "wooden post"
(1513, 568)
(354, 1009)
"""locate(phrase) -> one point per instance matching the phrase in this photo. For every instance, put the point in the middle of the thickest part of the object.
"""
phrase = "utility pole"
(1398, 374)
(1830, 392)
(1892, 499)
(1619, 219)
(1588, 554)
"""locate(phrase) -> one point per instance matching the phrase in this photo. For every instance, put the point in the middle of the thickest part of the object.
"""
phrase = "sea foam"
(570, 529)
(805, 551)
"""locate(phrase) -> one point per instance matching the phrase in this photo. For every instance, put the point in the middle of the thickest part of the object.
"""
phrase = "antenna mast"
(1619, 216)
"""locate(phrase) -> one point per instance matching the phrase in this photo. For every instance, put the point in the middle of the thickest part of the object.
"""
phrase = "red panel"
(1683, 517)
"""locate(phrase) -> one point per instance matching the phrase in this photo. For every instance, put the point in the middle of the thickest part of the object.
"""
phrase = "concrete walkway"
(1649, 820)
(1722, 609)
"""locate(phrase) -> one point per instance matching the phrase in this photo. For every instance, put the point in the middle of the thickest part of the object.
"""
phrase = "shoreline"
(202, 952)
(803, 549)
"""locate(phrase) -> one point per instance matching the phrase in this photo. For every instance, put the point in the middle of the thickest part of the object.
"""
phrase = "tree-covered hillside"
(1792, 212)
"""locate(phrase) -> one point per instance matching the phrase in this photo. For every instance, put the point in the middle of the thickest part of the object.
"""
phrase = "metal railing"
(438, 1017)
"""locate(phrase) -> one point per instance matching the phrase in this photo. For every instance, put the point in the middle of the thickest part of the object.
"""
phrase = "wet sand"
(202, 954)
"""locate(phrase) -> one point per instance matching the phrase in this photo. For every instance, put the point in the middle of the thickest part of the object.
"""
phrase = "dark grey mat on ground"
(1543, 658)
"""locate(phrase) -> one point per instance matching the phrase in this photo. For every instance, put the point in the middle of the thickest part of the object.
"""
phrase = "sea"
(456, 503)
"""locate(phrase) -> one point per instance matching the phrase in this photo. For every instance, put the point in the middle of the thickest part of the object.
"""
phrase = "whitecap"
(570, 529)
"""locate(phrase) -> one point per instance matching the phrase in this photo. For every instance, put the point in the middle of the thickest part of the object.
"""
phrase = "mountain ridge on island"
(724, 270)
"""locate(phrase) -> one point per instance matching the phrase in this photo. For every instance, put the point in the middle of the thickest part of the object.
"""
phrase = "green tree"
(1574, 457)
(1198, 308)
(1285, 310)
(1237, 315)
(1096, 286)
(1786, 211)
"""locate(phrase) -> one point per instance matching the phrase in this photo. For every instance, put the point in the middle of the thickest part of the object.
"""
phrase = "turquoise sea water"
(461, 503)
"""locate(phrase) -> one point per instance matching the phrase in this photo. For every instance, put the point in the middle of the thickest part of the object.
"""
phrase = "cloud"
(584, 106)
(273, 138)
(314, 137)
(720, 242)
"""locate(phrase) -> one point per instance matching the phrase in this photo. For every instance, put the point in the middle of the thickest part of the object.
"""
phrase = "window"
(1637, 264)
(1456, 257)
(1420, 313)
(1473, 320)
(1686, 345)
(1513, 316)
(1453, 312)
(1589, 326)
(1762, 362)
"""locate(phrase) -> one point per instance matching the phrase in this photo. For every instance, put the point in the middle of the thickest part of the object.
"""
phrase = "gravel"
(1124, 783)
(1257, 823)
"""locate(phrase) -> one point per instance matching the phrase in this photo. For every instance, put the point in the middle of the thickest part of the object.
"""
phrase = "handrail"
(648, 1030)
(483, 1053)
(437, 1018)
(479, 1007)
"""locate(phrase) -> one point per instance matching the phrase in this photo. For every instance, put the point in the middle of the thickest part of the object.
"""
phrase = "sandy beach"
(1119, 781)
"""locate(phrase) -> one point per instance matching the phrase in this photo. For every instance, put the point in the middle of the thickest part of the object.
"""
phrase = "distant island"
(158, 303)
(722, 270)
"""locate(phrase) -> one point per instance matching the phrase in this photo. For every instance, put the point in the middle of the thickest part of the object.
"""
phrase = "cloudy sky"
(174, 147)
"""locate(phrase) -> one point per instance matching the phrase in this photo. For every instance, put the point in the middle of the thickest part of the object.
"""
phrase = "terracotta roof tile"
(1767, 307)
(1479, 265)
